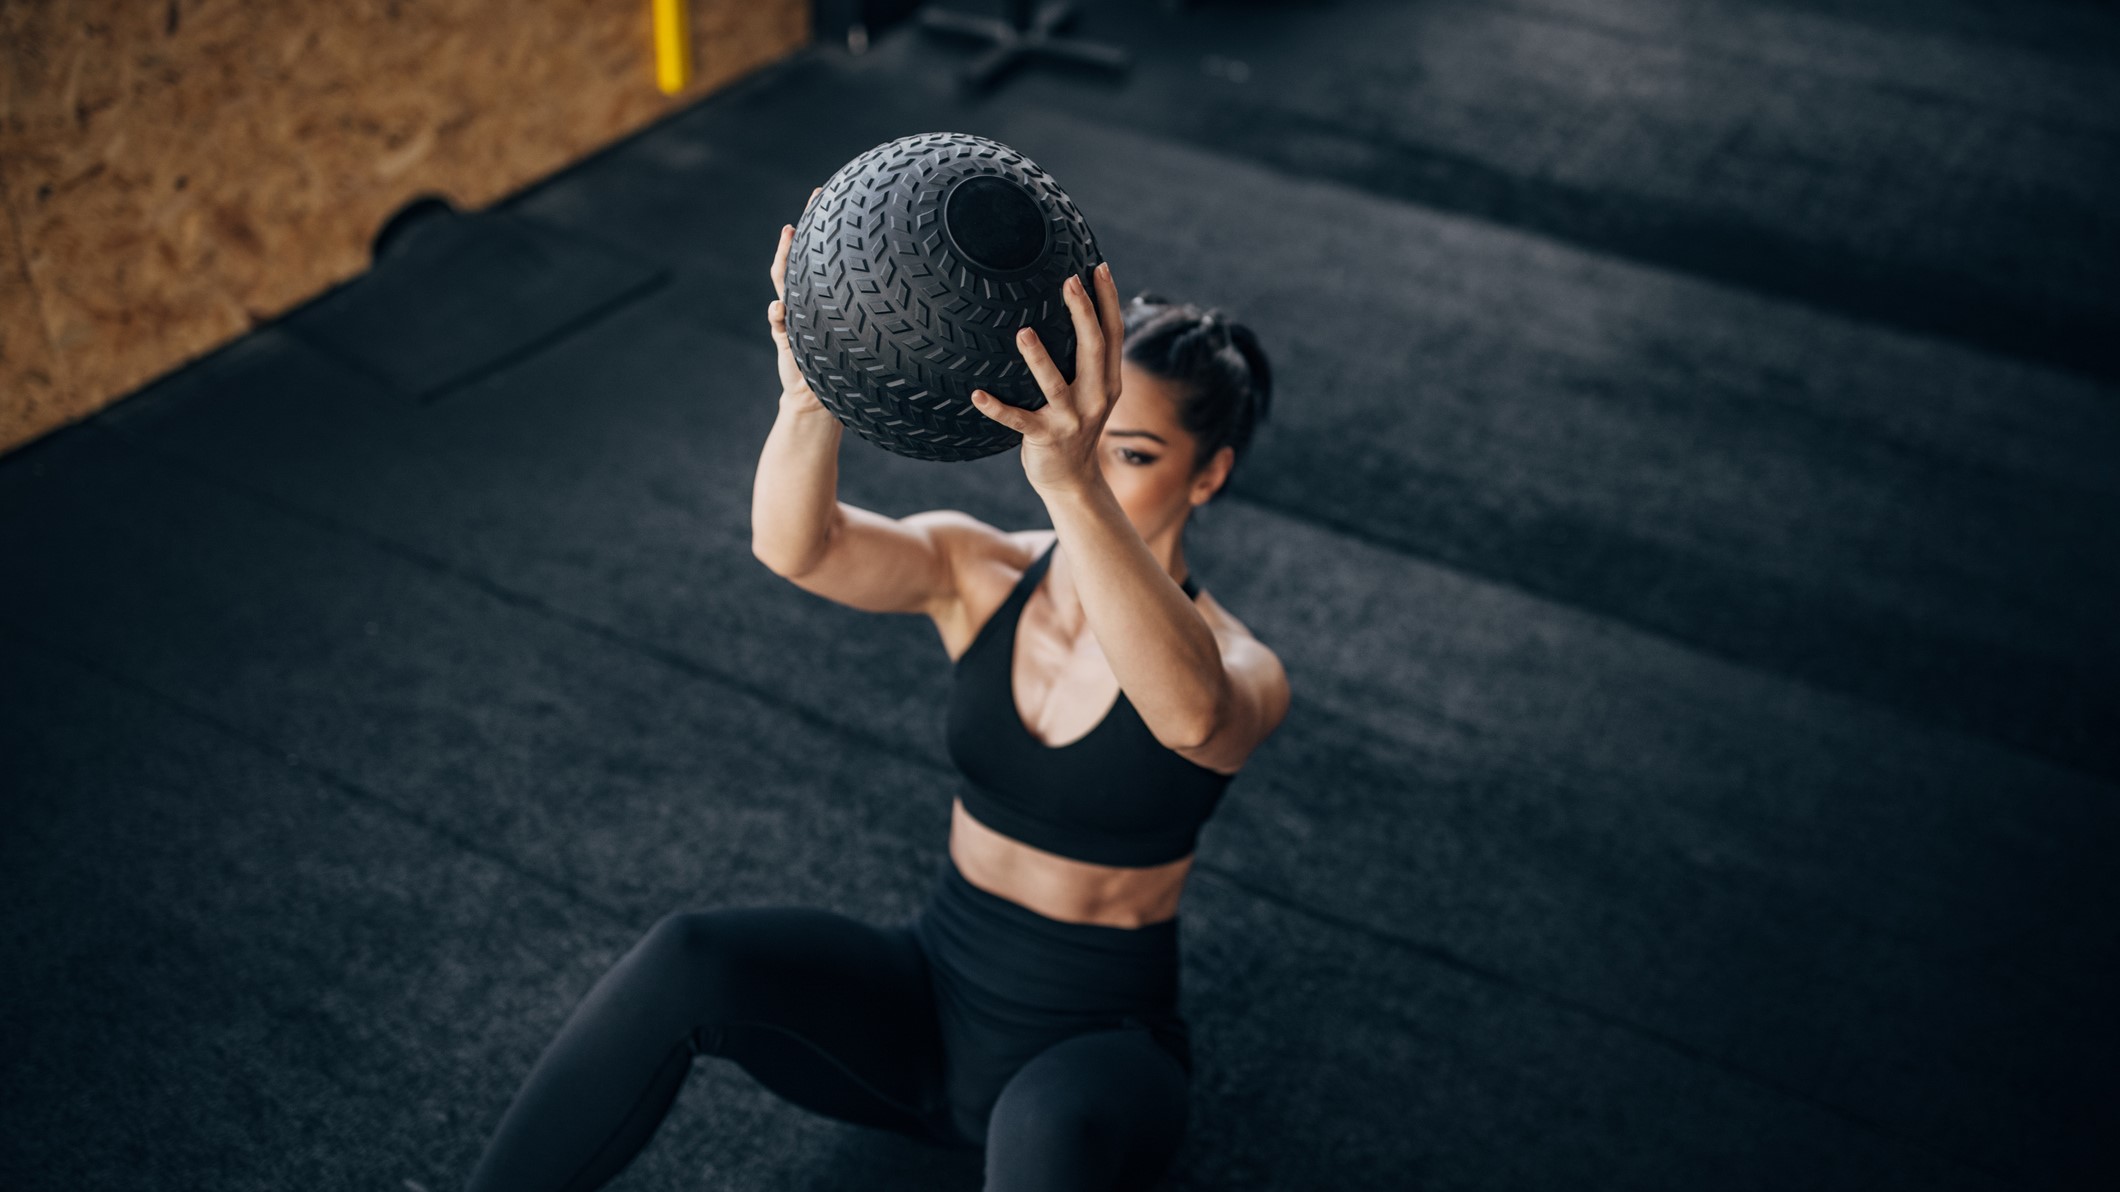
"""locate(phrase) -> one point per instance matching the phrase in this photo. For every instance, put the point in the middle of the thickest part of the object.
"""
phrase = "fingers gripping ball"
(908, 279)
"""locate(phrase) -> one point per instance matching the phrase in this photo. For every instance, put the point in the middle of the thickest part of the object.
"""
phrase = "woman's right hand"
(793, 386)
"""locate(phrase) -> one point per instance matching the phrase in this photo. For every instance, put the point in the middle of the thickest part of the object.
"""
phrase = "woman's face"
(1147, 456)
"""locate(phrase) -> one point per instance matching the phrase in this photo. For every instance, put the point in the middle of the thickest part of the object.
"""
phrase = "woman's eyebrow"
(1141, 434)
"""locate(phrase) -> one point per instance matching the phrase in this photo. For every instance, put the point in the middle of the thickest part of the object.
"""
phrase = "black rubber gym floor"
(1687, 520)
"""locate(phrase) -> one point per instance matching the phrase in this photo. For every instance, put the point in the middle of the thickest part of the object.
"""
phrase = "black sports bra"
(1117, 796)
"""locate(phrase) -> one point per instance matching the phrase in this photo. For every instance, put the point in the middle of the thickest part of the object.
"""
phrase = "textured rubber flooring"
(459, 296)
(1700, 770)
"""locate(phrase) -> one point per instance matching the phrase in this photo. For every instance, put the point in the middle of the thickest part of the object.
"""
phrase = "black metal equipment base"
(1026, 37)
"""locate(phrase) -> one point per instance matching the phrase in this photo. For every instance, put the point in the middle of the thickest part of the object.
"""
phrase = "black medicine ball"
(908, 278)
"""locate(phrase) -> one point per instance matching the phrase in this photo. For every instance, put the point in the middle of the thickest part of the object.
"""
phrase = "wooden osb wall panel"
(175, 173)
(31, 386)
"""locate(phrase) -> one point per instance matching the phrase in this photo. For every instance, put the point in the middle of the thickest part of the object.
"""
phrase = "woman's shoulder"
(1027, 545)
(998, 558)
(986, 566)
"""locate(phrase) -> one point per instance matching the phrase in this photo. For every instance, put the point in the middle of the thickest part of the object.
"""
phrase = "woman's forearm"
(1168, 661)
(795, 496)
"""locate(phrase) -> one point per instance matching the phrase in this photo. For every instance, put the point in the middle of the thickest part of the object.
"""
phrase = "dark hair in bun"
(1228, 382)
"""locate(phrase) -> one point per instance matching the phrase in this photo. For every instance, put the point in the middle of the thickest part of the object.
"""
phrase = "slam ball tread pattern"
(893, 328)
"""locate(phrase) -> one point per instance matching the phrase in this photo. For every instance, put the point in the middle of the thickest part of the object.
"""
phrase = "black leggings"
(1056, 1046)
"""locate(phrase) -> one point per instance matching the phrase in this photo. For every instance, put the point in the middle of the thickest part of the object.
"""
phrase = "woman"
(1031, 1007)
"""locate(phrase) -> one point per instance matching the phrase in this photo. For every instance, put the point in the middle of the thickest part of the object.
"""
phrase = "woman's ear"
(1212, 476)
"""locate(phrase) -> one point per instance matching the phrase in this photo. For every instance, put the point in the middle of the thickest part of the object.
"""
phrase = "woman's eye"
(1134, 457)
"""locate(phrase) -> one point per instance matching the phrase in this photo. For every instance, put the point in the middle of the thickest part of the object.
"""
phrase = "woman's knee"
(1037, 1118)
(693, 956)
(680, 935)
(713, 946)
(1103, 1111)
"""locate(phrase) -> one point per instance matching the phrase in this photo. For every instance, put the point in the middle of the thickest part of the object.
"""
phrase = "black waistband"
(983, 942)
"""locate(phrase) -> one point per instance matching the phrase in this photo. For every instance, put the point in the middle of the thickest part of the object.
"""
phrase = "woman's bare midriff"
(1061, 887)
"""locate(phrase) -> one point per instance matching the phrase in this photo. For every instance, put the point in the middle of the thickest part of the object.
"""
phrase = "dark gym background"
(1687, 519)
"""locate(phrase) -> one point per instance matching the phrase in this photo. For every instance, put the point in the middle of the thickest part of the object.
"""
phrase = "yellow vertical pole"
(673, 45)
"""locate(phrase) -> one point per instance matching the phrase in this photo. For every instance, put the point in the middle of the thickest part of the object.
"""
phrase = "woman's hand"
(793, 386)
(1060, 440)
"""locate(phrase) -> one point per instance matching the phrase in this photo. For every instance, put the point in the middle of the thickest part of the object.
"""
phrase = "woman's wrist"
(803, 401)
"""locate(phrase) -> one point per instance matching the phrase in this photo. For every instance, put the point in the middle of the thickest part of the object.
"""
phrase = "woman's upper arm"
(1260, 697)
(882, 564)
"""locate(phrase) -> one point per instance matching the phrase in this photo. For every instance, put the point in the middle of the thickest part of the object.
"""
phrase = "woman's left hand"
(1060, 439)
